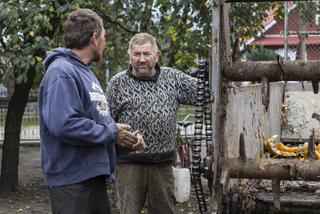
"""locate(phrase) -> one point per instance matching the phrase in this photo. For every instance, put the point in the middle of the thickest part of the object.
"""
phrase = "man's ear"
(129, 56)
(93, 39)
(158, 53)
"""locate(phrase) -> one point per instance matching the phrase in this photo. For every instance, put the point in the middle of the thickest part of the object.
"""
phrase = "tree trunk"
(271, 168)
(10, 150)
(273, 71)
(147, 14)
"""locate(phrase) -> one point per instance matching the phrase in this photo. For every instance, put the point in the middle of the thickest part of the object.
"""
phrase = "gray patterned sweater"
(150, 106)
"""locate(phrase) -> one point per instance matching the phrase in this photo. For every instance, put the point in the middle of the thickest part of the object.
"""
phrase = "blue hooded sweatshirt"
(76, 130)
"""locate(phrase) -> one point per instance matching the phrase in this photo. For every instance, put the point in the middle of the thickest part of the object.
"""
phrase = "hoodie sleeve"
(64, 115)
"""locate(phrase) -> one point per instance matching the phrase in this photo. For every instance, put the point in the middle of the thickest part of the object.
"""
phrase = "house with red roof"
(273, 36)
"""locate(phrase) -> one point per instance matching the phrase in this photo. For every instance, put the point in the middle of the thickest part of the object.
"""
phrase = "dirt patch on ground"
(32, 195)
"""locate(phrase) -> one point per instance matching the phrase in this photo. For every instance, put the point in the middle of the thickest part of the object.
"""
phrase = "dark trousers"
(88, 197)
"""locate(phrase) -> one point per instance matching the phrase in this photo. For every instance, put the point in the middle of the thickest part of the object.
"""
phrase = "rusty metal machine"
(230, 167)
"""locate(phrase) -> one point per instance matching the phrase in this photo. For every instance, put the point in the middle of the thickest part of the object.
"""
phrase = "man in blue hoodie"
(76, 129)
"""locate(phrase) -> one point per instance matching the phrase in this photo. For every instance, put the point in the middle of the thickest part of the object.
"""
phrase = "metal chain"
(202, 114)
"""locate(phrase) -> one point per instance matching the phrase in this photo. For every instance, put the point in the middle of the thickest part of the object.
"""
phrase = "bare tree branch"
(110, 20)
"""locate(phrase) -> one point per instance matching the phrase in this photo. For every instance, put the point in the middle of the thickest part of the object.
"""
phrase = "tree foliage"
(183, 34)
(28, 30)
(183, 29)
(246, 22)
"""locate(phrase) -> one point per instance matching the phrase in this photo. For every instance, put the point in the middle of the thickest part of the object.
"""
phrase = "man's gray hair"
(141, 39)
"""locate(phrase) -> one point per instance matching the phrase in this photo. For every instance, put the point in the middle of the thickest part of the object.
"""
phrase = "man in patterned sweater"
(147, 97)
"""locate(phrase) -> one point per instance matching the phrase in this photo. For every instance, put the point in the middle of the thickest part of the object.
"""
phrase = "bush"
(261, 54)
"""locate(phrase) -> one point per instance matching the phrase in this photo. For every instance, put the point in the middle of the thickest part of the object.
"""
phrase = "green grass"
(30, 121)
(184, 110)
(26, 121)
(33, 120)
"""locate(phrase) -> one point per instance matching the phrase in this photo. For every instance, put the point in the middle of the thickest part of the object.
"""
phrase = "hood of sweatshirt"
(64, 53)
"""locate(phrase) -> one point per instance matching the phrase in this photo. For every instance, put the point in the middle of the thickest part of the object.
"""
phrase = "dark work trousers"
(88, 197)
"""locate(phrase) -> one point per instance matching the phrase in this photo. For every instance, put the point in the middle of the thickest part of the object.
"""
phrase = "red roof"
(277, 40)
(274, 29)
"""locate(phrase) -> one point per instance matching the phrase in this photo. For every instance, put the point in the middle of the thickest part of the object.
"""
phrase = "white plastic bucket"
(181, 184)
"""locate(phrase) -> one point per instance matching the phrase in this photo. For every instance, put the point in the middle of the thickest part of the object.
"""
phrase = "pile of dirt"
(32, 196)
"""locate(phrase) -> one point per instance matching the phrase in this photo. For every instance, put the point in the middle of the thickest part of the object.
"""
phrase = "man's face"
(100, 43)
(143, 59)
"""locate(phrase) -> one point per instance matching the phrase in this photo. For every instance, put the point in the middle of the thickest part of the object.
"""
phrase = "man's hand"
(125, 137)
(140, 144)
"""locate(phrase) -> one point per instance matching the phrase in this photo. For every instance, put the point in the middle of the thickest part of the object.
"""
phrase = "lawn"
(26, 120)
(32, 119)
(184, 110)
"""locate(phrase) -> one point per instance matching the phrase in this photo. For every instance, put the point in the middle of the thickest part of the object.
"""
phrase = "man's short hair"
(141, 39)
(79, 27)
